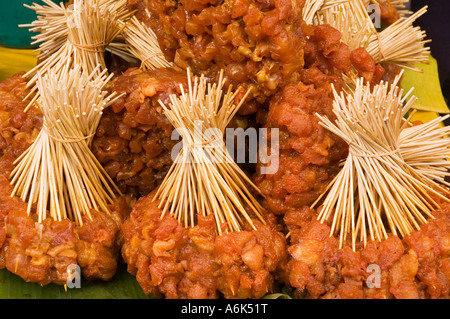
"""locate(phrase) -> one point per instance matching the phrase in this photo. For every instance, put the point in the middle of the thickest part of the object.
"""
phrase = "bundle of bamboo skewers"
(400, 43)
(58, 171)
(393, 169)
(204, 179)
(148, 50)
(73, 36)
(82, 33)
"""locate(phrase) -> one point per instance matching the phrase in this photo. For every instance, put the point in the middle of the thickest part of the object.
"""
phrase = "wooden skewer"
(142, 43)
(401, 43)
(311, 8)
(351, 19)
(204, 178)
(59, 171)
(390, 172)
(76, 35)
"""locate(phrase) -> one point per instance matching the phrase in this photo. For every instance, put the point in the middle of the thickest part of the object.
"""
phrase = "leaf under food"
(122, 286)
(427, 87)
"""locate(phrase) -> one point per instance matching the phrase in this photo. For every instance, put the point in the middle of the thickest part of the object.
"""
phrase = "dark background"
(436, 22)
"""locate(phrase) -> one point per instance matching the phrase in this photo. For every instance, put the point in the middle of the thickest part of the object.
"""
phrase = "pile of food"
(41, 252)
(280, 74)
(133, 140)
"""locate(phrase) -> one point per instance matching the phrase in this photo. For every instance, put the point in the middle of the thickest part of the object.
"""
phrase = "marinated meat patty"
(258, 44)
(41, 252)
(133, 140)
(417, 266)
(179, 262)
(309, 155)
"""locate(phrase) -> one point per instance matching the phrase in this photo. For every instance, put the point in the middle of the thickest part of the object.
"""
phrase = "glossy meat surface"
(42, 252)
(133, 140)
(309, 155)
(176, 262)
(258, 44)
(416, 266)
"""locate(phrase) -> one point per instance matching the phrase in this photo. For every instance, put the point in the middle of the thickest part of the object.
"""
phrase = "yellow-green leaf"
(13, 61)
(426, 87)
(424, 116)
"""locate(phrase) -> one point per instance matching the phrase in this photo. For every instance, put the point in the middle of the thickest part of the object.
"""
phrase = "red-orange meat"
(133, 140)
(177, 262)
(417, 266)
(41, 252)
(258, 44)
(309, 155)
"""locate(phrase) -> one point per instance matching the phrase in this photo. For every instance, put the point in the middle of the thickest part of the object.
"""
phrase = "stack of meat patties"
(291, 68)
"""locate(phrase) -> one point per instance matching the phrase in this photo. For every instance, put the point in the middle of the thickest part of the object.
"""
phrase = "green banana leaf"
(122, 286)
